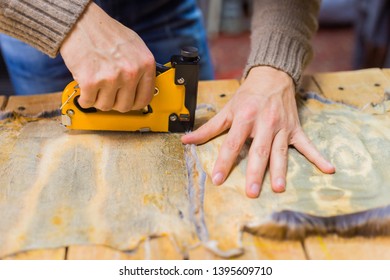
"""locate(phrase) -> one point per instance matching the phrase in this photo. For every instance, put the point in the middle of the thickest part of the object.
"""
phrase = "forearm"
(44, 24)
(281, 33)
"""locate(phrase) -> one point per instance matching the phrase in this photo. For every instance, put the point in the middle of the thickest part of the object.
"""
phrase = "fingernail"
(331, 166)
(280, 184)
(255, 189)
(218, 178)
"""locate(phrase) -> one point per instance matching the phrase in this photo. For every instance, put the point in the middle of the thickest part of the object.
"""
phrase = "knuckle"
(130, 72)
(140, 102)
(249, 114)
(89, 85)
(272, 116)
(86, 101)
(111, 78)
(139, 105)
(149, 60)
(262, 152)
(233, 145)
(123, 108)
(103, 107)
(283, 151)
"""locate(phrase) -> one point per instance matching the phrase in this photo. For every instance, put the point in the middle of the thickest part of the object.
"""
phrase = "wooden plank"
(151, 249)
(337, 248)
(50, 254)
(34, 104)
(162, 249)
(97, 252)
(357, 88)
(308, 84)
(3, 100)
(258, 248)
(217, 93)
(386, 72)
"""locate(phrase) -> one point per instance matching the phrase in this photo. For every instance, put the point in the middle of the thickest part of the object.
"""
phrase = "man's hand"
(264, 109)
(114, 68)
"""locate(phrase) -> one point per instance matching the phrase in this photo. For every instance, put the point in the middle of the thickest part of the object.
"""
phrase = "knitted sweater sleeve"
(281, 33)
(43, 24)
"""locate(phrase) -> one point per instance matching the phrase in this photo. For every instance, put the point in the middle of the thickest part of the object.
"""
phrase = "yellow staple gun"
(172, 108)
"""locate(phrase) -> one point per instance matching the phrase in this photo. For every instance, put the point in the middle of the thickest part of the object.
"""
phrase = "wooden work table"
(161, 248)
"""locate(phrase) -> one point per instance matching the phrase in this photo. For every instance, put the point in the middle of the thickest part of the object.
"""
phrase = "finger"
(145, 89)
(257, 162)
(278, 161)
(229, 151)
(215, 126)
(124, 99)
(88, 94)
(306, 147)
(106, 97)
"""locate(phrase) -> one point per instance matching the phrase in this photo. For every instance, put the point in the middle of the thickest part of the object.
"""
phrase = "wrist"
(81, 24)
(270, 73)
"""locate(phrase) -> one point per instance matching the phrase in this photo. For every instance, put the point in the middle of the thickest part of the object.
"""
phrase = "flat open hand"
(263, 108)
(114, 68)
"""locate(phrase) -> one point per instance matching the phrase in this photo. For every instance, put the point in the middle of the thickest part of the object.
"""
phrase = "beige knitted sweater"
(281, 29)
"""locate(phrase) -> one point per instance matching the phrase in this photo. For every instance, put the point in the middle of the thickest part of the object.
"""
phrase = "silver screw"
(173, 118)
(181, 81)
(70, 113)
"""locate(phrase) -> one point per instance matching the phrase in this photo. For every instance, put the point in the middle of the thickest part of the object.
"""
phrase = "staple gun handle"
(84, 110)
(160, 68)
(172, 108)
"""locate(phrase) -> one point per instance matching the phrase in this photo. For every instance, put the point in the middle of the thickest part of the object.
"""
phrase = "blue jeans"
(165, 26)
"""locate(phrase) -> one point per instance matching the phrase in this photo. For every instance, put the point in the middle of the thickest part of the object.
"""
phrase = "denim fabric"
(165, 26)
(372, 34)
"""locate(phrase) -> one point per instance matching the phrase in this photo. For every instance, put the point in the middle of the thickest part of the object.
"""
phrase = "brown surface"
(357, 88)
(358, 248)
(159, 248)
(49, 254)
(258, 248)
(114, 189)
(2, 102)
(255, 247)
(34, 104)
(386, 72)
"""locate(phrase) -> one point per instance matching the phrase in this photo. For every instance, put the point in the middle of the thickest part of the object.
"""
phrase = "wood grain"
(160, 248)
(50, 254)
(3, 99)
(308, 84)
(34, 104)
(386, 72)
(257, 248)
(357, 88)
(215, 94)
(337, 248)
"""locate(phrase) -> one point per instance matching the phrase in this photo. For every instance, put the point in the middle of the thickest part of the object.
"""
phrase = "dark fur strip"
(6, 115)
(49, 114)
(296, 225)
(196, 189)
(42, 115)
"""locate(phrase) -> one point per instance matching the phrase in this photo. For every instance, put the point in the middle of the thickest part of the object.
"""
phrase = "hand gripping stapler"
(172, 108)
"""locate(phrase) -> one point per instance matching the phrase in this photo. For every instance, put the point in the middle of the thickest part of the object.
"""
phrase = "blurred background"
(349, 34)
